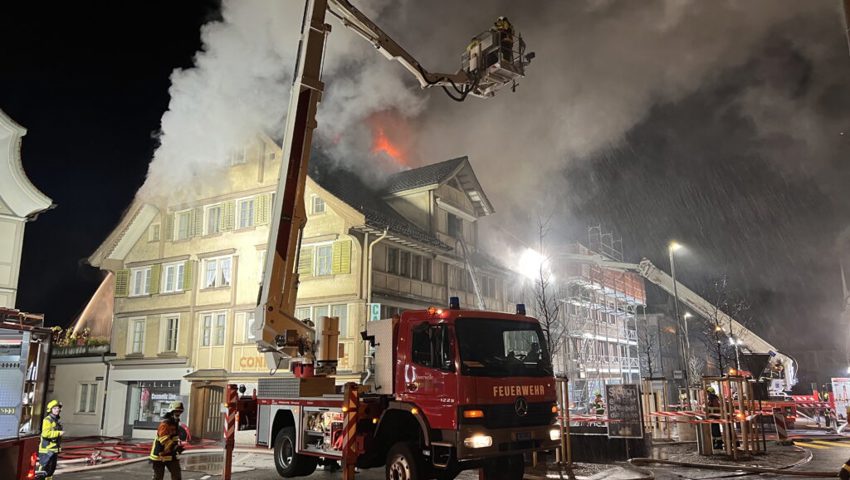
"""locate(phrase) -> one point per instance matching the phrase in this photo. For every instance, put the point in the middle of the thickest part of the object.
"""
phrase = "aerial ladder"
(699, 305)
(494, 59)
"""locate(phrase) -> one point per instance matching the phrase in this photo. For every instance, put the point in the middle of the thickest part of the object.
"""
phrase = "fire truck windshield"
(502, 348)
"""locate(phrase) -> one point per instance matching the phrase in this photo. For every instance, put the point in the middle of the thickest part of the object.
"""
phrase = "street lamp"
(672, 247)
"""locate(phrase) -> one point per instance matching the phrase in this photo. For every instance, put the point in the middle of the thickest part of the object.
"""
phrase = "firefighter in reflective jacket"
(167, 445)
(51, 440)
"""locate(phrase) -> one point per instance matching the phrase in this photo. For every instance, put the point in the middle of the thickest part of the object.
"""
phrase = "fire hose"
(102, 452)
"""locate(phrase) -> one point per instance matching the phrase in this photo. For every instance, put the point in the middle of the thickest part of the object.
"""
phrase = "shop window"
(149, 401)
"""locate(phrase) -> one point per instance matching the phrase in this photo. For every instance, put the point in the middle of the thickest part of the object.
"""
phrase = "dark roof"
(351, 189)
(423, 176)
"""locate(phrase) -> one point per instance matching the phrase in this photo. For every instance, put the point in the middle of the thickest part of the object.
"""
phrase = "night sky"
(745, 162)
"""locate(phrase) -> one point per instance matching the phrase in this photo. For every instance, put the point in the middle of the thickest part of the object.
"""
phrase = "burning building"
(187, 273)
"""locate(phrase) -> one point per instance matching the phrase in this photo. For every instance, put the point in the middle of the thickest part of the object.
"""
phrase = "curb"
(784, 470)
(119, 463)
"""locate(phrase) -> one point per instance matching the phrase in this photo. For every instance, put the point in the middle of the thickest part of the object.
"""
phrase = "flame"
(390, 136)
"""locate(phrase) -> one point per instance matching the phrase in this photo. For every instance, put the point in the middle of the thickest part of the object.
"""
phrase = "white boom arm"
(699, 305)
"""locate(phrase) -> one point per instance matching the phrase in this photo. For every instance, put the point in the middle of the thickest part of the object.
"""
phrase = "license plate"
(523, 436)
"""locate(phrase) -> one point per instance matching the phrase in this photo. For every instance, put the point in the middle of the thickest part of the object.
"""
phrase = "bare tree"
(696, 367)
(547, 305)
(649, 348)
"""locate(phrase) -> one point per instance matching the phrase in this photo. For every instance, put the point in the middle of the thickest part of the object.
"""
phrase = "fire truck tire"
(405, 462)
(505, 468)
(288, 463)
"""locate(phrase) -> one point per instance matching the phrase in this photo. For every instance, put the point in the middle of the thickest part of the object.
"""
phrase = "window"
(137, 335)
(455, 226)
(140, 279)
(170, 327)
(154, 232)
(245, 209)
(149, 400)
(217, 272)
(172, 277)
(426, 269)
(416, 269)
(392, 260)
(318, 205)
(341, 311)
(302, 313)
(249, 327)
(432, 347)
(237, 157)
(218, 336)
(319, 312)
(213, 224)
(324, 260)
(183, 225)
(88, 398)
(404, 267)
(212, 329)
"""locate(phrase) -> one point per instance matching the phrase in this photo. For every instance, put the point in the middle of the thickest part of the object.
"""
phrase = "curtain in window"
(209, 280)
(225, 270)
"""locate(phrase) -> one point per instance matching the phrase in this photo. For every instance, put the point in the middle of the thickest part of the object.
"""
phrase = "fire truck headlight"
(555, 434)
(478, 441)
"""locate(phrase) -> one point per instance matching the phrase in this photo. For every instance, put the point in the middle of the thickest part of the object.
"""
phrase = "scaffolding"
(600, 318)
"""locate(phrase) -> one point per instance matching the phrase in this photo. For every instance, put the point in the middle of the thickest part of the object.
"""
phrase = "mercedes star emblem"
(521, 406)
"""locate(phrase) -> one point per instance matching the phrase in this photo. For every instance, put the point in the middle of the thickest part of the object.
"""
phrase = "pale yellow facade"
(188, 276)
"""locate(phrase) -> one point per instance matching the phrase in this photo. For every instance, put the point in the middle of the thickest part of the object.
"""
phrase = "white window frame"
(155, 232)
(87, 404)
(179, 277)
(140, 281)
(317, 272)
(164, 339)
(317, 205)
(219, 207)
(131, 334)
(310, 310)
(238, 156)
(241, 217)
(250, 318)
(187, 214)
(210, 335)
(219, 278)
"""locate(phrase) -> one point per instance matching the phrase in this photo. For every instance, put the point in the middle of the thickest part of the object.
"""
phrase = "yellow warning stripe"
(832, 444)
(809, 445)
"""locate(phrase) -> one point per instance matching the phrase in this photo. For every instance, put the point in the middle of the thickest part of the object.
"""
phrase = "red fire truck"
(450, 390)
(24, 356)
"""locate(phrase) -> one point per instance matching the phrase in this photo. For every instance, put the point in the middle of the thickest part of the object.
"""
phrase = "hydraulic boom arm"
(488, 65)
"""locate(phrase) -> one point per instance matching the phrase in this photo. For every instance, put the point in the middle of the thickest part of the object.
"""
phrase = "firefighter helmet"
(710, 389)
(53, 403)
(175, 406)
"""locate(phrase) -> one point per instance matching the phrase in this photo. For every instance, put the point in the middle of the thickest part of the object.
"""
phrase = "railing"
(79, 351)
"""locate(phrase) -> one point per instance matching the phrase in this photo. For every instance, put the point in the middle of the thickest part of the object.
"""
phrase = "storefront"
(139, 396)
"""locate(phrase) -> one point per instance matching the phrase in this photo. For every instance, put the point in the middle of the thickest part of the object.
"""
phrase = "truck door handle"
(412, 386)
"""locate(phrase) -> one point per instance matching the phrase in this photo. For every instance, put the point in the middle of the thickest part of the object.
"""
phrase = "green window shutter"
(305, 261)
(264, 208)
(122, 283)
(227, 216)
(156, 274)
(198, 222)
(258, 209)
(342, 257)
(169, 227)
(187, 275)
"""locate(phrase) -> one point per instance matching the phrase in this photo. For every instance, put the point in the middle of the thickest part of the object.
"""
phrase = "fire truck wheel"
(404, 462)
(288, 463)
(505, 468)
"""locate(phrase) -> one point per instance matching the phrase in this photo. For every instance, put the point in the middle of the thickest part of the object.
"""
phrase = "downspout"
(105, 389)
(367, 359)
(369, 266)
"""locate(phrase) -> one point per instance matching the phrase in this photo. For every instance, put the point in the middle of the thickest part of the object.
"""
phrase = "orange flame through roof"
(389, 136)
